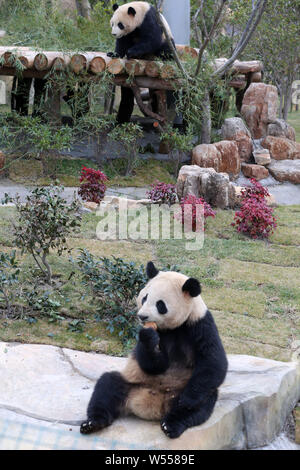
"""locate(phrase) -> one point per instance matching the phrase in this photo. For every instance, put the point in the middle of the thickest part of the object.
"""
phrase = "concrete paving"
(12, 189)
(45, 390)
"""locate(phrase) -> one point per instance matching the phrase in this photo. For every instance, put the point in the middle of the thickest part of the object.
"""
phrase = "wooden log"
(97, 65)
(256, 77)
(182, 50)
(44, 60)
(153, 69)
(148, 82)
(27, 59)
(239, 81)
(168, 71)
(135, 67)
(247, 67)
(78, 63)
(116, 66)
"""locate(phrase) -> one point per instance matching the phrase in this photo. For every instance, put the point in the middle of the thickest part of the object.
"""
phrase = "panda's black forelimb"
(150, 357)
(106, 403)
(179, 418)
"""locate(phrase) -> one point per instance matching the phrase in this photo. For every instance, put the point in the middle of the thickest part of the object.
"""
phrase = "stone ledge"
(50, 387)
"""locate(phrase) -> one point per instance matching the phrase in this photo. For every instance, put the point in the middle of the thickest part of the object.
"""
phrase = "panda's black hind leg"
(178, 419)
(106, 403)
(126, 105)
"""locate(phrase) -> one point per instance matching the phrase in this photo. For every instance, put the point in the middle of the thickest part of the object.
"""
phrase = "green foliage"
(42, 304)
(25, 22)
(43, 224)
(9, 279)
(115, 285)
(126, 136)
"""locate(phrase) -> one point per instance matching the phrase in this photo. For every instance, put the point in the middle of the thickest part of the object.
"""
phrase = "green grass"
(251, 287)
(294, 120)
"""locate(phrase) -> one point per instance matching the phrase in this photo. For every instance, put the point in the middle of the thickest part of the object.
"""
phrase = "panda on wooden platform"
(176, 368)
(139, 36)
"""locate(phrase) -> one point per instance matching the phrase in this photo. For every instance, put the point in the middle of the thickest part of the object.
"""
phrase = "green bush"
(115, 285)
(9, 280)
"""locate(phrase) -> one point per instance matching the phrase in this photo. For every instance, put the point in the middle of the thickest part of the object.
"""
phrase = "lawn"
(294, 120)
(251, 287)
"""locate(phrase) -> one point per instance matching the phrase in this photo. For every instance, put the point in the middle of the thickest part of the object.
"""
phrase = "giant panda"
(174, 372)
(138, 35)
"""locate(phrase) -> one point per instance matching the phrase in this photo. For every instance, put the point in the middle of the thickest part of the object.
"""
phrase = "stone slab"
(45, 391)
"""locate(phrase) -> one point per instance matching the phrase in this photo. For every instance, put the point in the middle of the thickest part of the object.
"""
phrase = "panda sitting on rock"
(139, 36)
(176, 368)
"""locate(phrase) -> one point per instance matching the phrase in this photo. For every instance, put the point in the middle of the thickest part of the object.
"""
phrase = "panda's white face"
(164, 302)
(127, 18)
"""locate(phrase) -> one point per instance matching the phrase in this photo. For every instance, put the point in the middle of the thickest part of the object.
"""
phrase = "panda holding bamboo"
(138, 36)
(177, 366)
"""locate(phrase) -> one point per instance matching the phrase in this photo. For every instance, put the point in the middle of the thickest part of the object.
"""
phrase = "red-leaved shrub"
(163, 193)
(92, 187)
(255, 218)
(193, 217)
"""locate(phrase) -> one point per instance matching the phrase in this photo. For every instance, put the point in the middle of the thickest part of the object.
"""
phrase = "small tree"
(43, 224)
(127, 136)
(178, 145)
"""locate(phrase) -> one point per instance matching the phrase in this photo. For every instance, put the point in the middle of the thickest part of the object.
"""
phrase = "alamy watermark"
(124, 221)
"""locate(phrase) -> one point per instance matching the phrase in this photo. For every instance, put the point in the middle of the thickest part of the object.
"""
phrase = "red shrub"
(162, 192)
(192, 202)
(92, 187)
(255, 218)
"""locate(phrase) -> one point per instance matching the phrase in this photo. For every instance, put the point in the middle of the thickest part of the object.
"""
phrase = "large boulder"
(280, 128)
(258, 172)
(214, 187)
(42, 407)
(262, 156)
(230, 158)
(259, 109)
(285, 170)
(223, 157)
(281, 148)
(235, 129)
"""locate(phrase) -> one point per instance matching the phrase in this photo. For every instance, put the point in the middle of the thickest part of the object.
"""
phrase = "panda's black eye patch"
(144, 299)
(161, 307)
(121, 26)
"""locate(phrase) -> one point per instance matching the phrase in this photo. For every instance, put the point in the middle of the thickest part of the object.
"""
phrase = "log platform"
(153, 74)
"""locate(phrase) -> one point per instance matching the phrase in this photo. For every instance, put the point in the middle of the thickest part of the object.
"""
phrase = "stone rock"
(285, 170)
(93, 206)
(115, 201)
(262, 157)
(254, 402)
(281, 148)
(222, 156)
(24, 171)
(230, 158)
(297, 424)
(258, 172)
(280, 128)
(2, 162)
(259, 108)
(206, 156)
(235, 129)
(214, 187)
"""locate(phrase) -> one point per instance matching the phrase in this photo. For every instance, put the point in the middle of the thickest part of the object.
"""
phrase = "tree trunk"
(287, 100)
(206, 120)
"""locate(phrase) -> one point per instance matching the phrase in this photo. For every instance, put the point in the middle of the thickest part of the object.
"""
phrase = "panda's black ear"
(192, 287)
(131, 11)
(151, 270)
(115, 6)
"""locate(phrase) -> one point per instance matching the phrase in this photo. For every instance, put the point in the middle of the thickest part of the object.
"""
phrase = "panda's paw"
(113, 55)
(172, 429)
(89, 426)
(149, 337)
